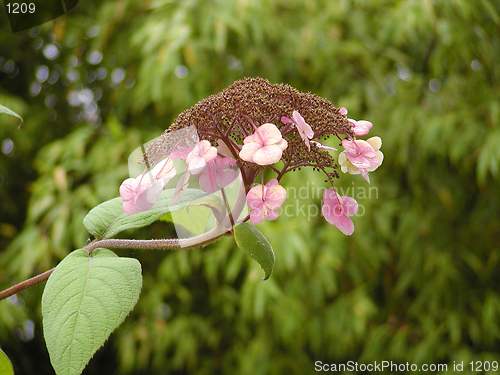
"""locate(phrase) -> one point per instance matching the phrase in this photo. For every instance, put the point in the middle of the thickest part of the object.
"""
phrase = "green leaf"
(9, 112)
(253, 243)
(108, 218)
(5, 364)
(85, 299)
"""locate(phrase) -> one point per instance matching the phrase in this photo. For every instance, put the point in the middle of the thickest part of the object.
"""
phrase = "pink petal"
(219, 173)
(364, 173)
(349, 205)
(304, 127)
(375, 142)
(248, 151)
(330, 205)
(376, 162)
(256, 216)
(282, 144)
(202, 153)
(323, 147)
(330, 198)
(127, 189)
(181, 153)
(204, 146)
(333, 211)
(182, 185)
(358, 148)
(286, 120)
(269, 134)
(129, 207)
(275, 196)
(196, 165)
(343, 111)
(362, 127)
(344, 224)
(164, 171)
(272, 214)
(210, 154)
(254, 196)
(359, 161)
(272, 182)
(207, 179)
(146, 199)
(252, 138)
(267, 155)
(226, 177)
(349, 146)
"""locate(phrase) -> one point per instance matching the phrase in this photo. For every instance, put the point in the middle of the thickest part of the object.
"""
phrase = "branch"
(25, 284)
(223, 229)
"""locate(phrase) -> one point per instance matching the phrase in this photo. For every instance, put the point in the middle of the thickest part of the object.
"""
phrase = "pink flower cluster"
(219, 167)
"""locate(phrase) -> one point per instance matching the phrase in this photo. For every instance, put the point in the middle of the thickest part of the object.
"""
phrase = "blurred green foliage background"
(417, 282)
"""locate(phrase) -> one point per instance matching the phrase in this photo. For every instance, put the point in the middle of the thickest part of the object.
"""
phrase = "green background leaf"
(85, 299)
(10, 112)
(102, 217)
(5, 364)
(253, 243)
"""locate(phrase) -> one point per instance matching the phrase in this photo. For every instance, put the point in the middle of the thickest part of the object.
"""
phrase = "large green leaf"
(253, 243)
(108, 218)
(5, 364)
(9, 112)
(85, 299)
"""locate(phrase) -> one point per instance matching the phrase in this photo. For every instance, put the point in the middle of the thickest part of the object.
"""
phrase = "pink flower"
(305, 131)
(263, 147)
(336, 210)
(361, 127)
(202, 153)
(361, 156)
(343, 111)
(140, 193)
(265, 201)
(218, 174)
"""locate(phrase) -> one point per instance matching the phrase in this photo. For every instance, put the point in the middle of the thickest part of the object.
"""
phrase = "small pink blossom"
(218, 174)
(361, 156)
(361, 127)
(336, 210)
(343, 111)
(265, 201)
(202, 153)
(305, 131)
(263, 147)
(140, 193)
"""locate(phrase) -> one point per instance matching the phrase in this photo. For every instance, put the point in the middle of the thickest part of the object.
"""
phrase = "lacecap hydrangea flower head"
(252, 126)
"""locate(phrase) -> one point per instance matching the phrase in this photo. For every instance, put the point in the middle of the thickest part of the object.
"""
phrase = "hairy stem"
(25, 284)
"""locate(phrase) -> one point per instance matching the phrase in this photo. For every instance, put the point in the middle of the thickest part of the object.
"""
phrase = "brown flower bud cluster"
(236, 112)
